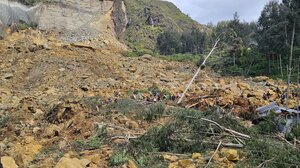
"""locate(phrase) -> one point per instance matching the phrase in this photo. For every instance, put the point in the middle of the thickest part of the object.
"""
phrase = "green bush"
(3, 121)
(118, 158)
(93, 143)
(154, 111)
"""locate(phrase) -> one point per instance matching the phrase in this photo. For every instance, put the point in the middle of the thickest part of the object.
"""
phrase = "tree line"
(248, 48)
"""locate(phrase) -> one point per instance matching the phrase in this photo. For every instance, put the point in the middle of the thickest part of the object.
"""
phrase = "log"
(202, 66)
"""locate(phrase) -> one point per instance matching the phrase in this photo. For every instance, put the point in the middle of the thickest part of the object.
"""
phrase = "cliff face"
(74, 20)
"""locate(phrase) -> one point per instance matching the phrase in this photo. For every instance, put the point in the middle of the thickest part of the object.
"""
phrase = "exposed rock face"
(120, 18)
(12, 12)
(73, 20)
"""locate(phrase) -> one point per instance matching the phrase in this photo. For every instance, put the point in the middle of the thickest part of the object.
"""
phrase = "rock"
(25, 153)
(170, 158)
(243, 86)
(96, 158)
(85, 162)
(8, 75)
(85, 88)
(132, 124)
(52, 130)
(196, 155)
(131, 164)
(222, 82)
(61, 69)
(173, 165)
(230, 154)
(120, 141)
(261, 79)
(186, 163)
(69, 163)
(8, 162)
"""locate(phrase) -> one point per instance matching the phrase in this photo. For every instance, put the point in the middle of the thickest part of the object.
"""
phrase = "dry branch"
(226, 129)
(213, 154)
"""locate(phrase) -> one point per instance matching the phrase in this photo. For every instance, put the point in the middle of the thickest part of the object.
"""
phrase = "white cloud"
(205, 11)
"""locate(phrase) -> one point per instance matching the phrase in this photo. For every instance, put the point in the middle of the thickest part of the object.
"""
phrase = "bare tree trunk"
(290, 63)
(202, 66)
(298, 91)
(234, 59)
(280, 63)
(269, 57)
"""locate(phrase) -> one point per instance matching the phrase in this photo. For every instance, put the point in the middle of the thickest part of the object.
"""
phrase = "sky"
(205, 11)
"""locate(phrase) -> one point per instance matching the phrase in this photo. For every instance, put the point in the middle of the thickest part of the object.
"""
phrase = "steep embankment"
(72, 20)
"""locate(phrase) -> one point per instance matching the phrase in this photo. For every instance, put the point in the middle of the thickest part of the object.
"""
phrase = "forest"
(256, 48)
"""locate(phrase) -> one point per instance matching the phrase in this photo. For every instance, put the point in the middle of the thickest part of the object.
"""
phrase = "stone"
(84, 88)
(131, 164)
(196, 155)
(173, 165)
(8, 75)
(185, 163)
(261, 79)
(85, 162)
(120, 141)
(243, 86)
(8, 162)
(132, 124)
(65, 162)
(170, 158)
(25, 153)
(52, 130)
(96, 158)
(230, 154)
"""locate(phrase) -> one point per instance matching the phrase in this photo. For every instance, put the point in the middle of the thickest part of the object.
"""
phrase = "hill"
(148, 18)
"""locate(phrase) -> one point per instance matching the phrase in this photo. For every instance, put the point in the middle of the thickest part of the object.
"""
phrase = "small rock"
(196, 156)
(119, 141)
(96, 158)
(61, 69)
(8, 75)
(131, 164)
(170, 158)
(85, 88)
(186, 163)
(8, 162)
(243, 86)
(37, 130)
(52, 130)
(69, 163)
(132, 124)
(230, 154)
(85, 162)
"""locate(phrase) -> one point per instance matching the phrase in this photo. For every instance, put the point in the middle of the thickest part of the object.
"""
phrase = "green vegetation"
(30, 2)
(248, 49)
(186, 133)
(3, 121)
(94, 142)
(118, 158)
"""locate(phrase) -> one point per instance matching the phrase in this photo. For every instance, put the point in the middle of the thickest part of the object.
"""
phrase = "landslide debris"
(63, 104)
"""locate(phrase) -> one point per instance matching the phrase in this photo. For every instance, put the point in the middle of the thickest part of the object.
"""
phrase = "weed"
(118, 158)
(93, 143)
(154, 111)
(3, 121)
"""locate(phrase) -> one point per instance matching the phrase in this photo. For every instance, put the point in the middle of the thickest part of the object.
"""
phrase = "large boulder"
(8, 162)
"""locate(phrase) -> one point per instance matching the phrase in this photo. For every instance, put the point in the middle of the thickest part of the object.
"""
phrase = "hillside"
(148, 18)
